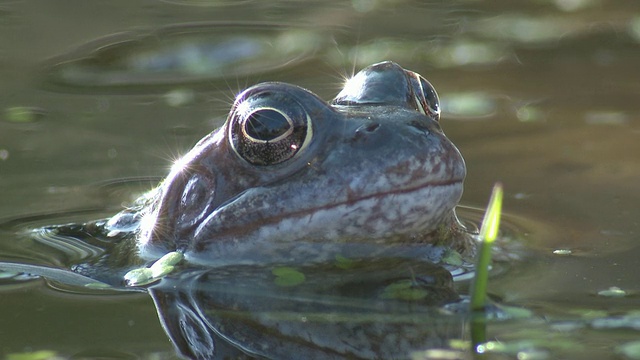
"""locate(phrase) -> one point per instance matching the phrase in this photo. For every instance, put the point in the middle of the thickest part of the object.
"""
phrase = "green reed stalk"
(488, 234)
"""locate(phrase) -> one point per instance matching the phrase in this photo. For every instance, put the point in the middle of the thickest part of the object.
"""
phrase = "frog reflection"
(374, 309)
(292, 179)
(357, 196)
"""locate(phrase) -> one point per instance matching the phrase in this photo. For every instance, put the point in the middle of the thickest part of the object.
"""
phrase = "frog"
(291, 178)
(300, 228)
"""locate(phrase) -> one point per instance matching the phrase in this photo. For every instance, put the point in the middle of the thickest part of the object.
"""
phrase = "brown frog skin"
(290, 178)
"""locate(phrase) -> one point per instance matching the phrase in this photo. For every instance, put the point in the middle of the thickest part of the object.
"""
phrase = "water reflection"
(196, 53)
(565, 143)
(349, 308)
(381, 308)
(334, 313)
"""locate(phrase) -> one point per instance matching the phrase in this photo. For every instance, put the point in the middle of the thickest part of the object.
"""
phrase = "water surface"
(100, 97)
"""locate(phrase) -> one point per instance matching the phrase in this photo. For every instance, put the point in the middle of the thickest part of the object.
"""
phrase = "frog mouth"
(448, 191)
(414, 207)
(372, 222)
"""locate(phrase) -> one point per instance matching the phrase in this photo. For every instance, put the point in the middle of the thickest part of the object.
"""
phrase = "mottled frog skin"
(290, 178)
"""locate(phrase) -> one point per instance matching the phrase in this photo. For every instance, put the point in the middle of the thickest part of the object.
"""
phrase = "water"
(539, 95)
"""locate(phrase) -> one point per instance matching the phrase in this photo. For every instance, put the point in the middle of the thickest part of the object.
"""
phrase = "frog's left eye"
(268, 129)
(425, 95)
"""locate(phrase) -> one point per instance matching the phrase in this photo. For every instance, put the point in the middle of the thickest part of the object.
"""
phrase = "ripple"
(182, 54)
(74, 249)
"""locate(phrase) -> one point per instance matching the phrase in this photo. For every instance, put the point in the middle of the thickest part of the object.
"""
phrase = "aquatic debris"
(160, 268)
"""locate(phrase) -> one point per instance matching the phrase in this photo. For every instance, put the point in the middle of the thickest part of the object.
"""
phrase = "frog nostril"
(363, 130)
(372, 127)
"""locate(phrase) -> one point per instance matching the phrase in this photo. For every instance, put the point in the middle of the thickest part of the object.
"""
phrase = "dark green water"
(541, 95)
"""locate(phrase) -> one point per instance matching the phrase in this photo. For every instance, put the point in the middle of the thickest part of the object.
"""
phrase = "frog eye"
(268, 128)
(425, 95)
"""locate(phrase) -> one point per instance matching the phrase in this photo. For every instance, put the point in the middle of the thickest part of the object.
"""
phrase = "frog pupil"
(266, 124)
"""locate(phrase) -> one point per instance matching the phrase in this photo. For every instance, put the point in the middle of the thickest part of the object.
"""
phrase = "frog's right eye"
(268, 128)
(425, 95)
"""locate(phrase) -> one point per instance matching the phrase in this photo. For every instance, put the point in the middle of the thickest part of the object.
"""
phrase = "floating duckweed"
(468, 105)
(459, 344)
(161, 270)
(562, 252)
(514, 312)
(140, 276)
(525, 29)
(491, 346)
(634, 28)
(22, 114)
(617, 322)
(452, 257)
(344, 262)
(438, 354)
(528, 349)
(529, 113)
(7, 274)
(630, 350)
(606, 118)
(467, 52)
(97, 285)
(404, 290)
(287, 276)
(171, 258)
(158, 269)
(588, 313)
(179, 97)
(35, 355)
(613, 291)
